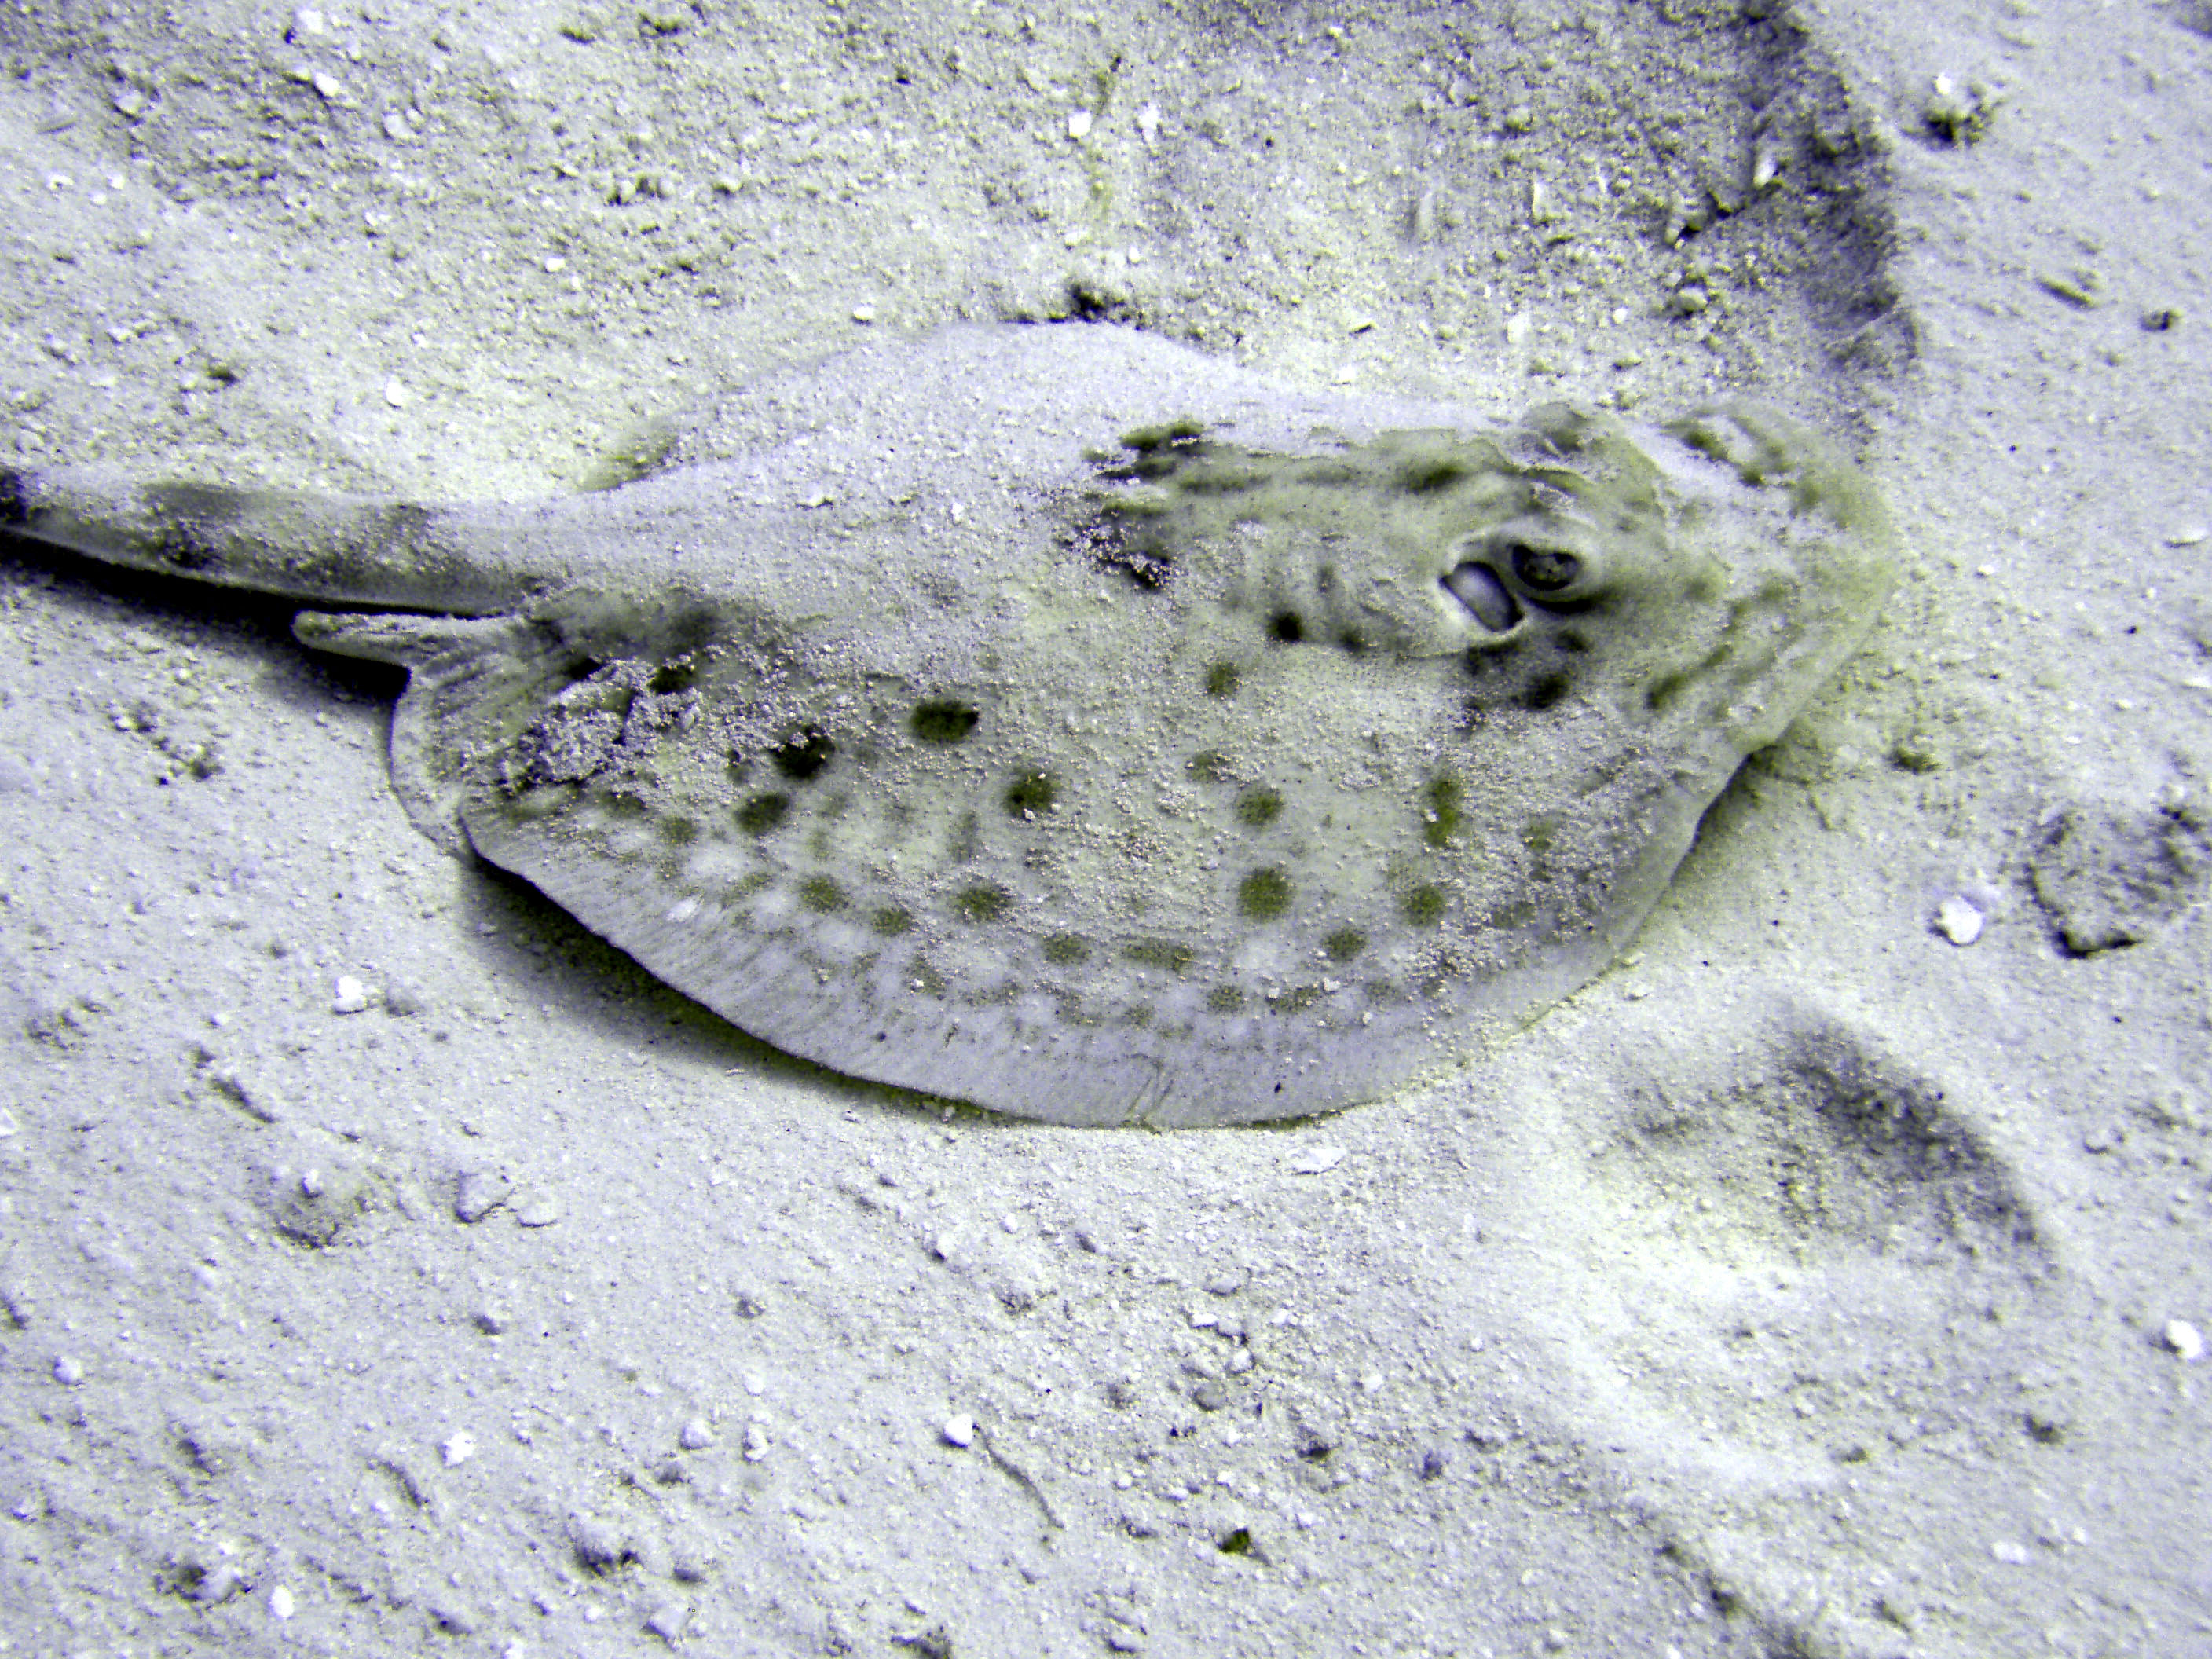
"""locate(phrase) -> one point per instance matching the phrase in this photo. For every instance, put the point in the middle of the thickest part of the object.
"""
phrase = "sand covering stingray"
(1062, 720)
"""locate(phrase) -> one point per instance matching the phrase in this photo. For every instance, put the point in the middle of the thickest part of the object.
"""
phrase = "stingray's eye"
(1477, 586)
(1544, 569)
(1549, 561)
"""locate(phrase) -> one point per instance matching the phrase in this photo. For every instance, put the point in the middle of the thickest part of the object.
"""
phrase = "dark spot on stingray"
(1160, 953)
(1265, 895)
(821, 895)
(1218, 477)
(1258, 807)
(1330, 474)
(985, 900)
(763, 813)
(801, 757)
(1548, 690)
(1030, 795)
(1422, 906)
(943, 720)
(1512, 916)
(1223, 679)
(1660, 694)
(1286, 627)
(1445, 817)
(1183, 434)
(1208, 766)
(1430, 472)
(1345, 944)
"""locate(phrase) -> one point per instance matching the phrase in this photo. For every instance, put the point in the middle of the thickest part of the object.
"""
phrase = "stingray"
(1059, 720)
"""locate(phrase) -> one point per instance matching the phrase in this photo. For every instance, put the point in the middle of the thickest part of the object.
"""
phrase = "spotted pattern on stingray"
(1059, 720)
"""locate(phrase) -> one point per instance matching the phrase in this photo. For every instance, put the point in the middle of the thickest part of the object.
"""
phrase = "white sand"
(1813, 1284)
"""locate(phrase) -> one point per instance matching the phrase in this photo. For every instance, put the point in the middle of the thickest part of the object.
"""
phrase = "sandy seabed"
(1827, 1280)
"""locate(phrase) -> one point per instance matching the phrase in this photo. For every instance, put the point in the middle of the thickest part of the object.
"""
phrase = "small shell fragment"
(1958, 921)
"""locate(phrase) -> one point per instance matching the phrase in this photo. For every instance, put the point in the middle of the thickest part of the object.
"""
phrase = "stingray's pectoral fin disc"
(462, 676)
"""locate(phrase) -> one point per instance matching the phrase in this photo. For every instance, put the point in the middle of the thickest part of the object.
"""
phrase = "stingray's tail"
(342, 549)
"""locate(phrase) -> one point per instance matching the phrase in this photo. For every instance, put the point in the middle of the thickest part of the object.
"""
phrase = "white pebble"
(459, 1449)
(2189, 536)
(2012, 1554)
(2184, 1338)
(281, 1603)
(8, 1124)
(1079, 124)
(1958, 920)
(756, 1443)
(396, 395)
(68, 1371)
(536, 1210)
(695, 1435)
(348, 995)
(1316, 1160)
(478, 1194)
(959, 1431)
